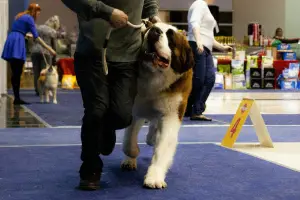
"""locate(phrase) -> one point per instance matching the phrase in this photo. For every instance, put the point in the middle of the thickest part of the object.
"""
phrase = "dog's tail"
(50, 93)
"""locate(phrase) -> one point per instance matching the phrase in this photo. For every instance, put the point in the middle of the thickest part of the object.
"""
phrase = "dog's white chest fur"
(150, 101)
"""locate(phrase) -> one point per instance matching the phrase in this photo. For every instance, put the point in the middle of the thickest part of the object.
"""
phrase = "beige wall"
(245, 11)
(68, 18)
(292, 26)
(50, 8)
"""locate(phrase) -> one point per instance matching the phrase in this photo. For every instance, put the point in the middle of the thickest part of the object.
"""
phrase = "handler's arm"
(150, 9)
(89, 9)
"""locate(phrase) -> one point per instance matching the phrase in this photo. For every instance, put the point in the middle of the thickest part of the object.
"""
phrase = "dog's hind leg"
(54, 91)
(164, 151)
(130, 144)
(47, 95)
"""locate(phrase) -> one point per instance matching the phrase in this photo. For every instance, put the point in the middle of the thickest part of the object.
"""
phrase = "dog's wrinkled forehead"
(163, 27)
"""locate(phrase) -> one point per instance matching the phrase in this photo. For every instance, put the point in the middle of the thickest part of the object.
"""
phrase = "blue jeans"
(203, 79)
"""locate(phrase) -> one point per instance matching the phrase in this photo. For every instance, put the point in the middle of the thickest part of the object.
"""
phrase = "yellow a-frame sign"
(247, 107)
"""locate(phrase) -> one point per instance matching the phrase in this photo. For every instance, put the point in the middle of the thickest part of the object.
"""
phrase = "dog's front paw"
(54, 101)
(154, 179)
(129, 164)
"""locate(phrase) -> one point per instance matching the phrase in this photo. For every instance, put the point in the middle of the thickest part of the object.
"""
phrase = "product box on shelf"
(228, 81)
(267, 62)
(289, 56)
(288, 80)
(252, 62)
(269, 73)
(219, 83)
(289, 84)
(255, 73)
(256, 83)
(284, 47)
(238, 76)
(268, 83)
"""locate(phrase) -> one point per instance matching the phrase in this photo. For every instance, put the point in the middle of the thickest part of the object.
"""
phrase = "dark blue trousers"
(203, 80)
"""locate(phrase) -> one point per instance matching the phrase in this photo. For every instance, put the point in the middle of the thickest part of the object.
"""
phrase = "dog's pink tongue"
(157, 61)
(162, 64)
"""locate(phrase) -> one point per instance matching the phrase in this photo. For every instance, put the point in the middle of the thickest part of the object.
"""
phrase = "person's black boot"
(90, 176)
(90, 182)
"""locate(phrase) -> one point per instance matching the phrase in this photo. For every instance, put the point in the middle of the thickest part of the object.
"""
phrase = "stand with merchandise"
(257, 64)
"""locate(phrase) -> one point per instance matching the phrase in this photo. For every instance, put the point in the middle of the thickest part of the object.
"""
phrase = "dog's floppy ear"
(189, 61)
(171, 34)
(181, 51)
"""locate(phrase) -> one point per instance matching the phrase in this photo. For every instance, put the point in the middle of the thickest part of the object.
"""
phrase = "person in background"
(279, 36)
(201, 25)
(48, 32)
(107, 100)
(14, 51)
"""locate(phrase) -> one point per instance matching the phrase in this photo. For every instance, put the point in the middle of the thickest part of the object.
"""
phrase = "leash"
(105, 68)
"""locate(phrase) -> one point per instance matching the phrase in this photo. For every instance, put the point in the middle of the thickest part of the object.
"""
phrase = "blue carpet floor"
(49, 136)
(69, 112)
(199, 172)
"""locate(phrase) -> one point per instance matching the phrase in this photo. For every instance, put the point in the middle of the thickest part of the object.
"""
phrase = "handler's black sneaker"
(90, 174)
(91, 182)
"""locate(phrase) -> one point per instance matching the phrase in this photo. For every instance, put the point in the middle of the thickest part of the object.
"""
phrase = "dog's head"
(50, 70)
(165, 48)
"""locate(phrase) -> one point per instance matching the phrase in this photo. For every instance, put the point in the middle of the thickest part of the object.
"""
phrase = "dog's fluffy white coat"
(162, 112)
(47, 84)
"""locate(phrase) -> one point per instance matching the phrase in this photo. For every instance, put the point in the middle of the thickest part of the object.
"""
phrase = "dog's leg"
(41, 96)
(152, 133)
(54, 91)
(130, 144)
(164, 151)
(47, 95)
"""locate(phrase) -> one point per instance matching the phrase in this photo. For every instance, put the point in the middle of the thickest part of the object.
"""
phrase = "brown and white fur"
(48, 83)
(164, 85)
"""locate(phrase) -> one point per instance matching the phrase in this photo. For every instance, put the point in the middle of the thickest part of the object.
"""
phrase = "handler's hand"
(154, 19)
(118, 19)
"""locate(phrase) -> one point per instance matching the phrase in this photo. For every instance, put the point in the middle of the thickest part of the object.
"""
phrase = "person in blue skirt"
(14, 51)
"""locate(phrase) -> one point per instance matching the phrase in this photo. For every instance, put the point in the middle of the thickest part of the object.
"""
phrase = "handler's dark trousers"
(203, 80)
(107, 102)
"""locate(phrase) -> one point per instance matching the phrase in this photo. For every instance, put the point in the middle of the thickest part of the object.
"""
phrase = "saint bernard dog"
(164, 85)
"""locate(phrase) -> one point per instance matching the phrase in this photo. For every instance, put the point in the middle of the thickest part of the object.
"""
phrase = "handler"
(107, 100)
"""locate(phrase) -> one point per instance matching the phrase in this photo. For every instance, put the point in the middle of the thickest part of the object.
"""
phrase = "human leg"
(36, 64)
(210, 78)
(203, 86)
(122, 87)
(122, 91)
(94, 90)
(16, 69)
(196, 97)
